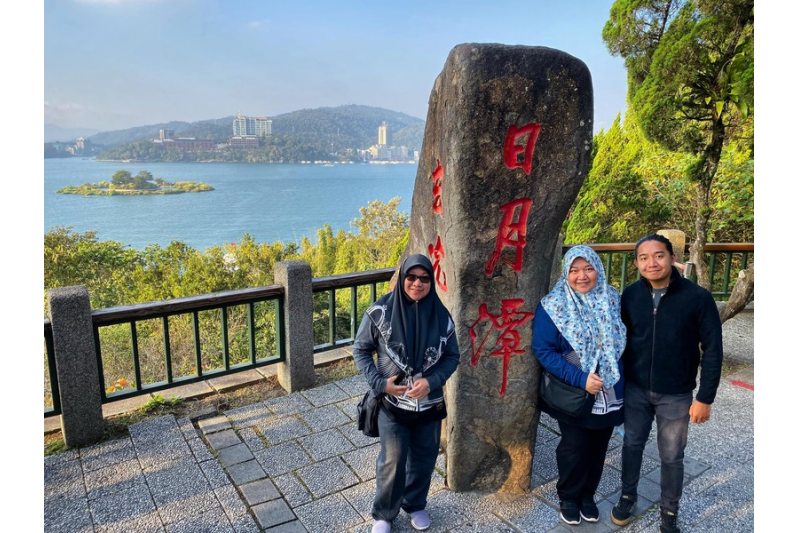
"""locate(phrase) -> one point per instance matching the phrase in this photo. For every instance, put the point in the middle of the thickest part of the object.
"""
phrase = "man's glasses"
(413, 277)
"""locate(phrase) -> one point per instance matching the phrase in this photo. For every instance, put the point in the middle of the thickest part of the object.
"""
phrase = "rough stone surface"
(76, 365)
(489, 217)
(297, 372)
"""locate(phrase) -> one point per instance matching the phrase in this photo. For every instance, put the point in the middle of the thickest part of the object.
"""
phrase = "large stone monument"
(506, 148)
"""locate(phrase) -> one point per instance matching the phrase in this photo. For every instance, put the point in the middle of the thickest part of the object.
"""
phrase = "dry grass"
(117, 426)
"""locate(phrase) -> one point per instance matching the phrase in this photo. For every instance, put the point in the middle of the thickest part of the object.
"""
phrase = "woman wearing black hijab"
(414, 338)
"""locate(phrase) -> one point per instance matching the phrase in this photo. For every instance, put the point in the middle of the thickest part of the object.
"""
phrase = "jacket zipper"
(653, 345)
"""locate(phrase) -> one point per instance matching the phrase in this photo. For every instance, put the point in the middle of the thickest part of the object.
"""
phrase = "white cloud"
(258, 24)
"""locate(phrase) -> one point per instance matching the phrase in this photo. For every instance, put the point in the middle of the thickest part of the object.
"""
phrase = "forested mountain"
(323, 130)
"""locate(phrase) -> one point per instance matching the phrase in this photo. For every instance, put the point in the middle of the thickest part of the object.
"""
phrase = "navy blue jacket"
(663, 350)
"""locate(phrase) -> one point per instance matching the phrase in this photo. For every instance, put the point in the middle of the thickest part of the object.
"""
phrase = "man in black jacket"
(669, 319)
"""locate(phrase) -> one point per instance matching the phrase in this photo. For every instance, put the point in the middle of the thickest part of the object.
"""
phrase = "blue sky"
(113, 64)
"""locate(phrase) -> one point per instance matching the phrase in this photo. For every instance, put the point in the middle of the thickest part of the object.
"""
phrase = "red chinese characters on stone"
(436, 254)
(511, 234)
(507, 342)
(437, 176)
(511, 149)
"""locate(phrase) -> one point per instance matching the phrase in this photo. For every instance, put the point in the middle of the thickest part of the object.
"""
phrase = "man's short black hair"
(653, 237)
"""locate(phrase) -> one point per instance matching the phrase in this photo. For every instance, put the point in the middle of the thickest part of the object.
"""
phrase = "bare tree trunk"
(705, 177)
(698, 249)
(741, 295)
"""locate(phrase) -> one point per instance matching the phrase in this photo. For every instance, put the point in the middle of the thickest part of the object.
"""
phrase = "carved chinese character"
(507, 340)
(511, 149)
(511, 234)
(436, 254)
(437, 176)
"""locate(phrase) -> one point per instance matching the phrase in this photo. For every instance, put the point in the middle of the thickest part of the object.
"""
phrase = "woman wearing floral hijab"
(413, 336)
(579, 337)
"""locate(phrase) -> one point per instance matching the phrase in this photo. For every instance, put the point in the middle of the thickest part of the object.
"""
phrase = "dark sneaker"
(570, 513)
(622, 513)
(589, 510)
(669, 522)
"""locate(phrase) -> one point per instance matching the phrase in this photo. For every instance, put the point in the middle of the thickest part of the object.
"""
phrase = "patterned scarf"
(590, 322)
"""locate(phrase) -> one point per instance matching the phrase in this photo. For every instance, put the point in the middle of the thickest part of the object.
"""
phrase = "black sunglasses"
(413, 277)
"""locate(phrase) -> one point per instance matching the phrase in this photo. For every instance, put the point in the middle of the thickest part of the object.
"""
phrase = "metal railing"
(336, 317)
(328, 286)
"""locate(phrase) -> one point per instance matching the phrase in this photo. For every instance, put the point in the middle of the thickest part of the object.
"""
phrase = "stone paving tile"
(162, 431)
(187, 428)
(216, 423)
(349, 407)
(223, 439)
(133, 506)
(363, 460)
(446, 509)
(234, 454)
(67, 513)
(282, 429)
(487, 523)
(289, 405)
(250, 415)
(186, 506)
(200, 450)
(260, 491)
(252, 438)
(331, 514)
(326, 444)
(323, 418)
(544, 460)
(441, 463)
(354, 386)
(212, 521)
(272, 513)
(66, 456)
(325, 395)
(230, 501)
(529, 514)
(246, 524)
(326, 477)
(291, 488)
(215, 474)
(543, 434)
(355, 436)
(282, 458)
(107, 481)
(63, 478)
(246, 472)
(361, 497)
(295, 526)
(610, 482)
(107, 454)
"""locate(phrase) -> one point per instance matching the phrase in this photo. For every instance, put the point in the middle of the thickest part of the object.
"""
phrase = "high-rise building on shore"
(383, 134)
(251, 126)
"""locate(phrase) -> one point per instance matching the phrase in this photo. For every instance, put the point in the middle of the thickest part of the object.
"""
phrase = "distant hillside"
(328, 128)
(53, 133)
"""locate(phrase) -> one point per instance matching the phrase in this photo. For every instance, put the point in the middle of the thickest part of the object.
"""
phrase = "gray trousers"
(671, 412)
(404, 466)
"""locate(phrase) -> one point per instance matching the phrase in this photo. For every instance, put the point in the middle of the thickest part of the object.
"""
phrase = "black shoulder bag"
(368, 413)
(563, 397)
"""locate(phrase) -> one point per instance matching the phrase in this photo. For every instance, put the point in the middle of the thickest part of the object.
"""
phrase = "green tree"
(121, 178)
(690, 83)
(614, 205)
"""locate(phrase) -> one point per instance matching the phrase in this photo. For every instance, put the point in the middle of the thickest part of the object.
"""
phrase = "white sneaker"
(381, 526)
(420, 520)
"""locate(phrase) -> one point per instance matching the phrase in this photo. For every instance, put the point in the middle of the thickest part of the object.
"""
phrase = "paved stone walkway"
(297, 463)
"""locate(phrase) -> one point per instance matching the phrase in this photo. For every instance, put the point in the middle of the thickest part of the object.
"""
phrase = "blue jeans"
(404, 467)
(671, 412)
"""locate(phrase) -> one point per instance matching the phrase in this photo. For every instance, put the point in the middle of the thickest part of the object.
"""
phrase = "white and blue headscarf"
(590, 322)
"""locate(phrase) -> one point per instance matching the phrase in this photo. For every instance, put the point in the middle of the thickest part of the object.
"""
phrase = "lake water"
(272, 202)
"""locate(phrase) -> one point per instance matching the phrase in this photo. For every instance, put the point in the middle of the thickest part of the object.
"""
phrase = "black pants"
(580, 456)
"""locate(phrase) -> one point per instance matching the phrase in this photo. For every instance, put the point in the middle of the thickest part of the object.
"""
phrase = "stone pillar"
(506, 149)
(678, 240)
(297, 372)
(76, 365)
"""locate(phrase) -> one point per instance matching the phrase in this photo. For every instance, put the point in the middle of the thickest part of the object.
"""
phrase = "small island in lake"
(122, 182)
